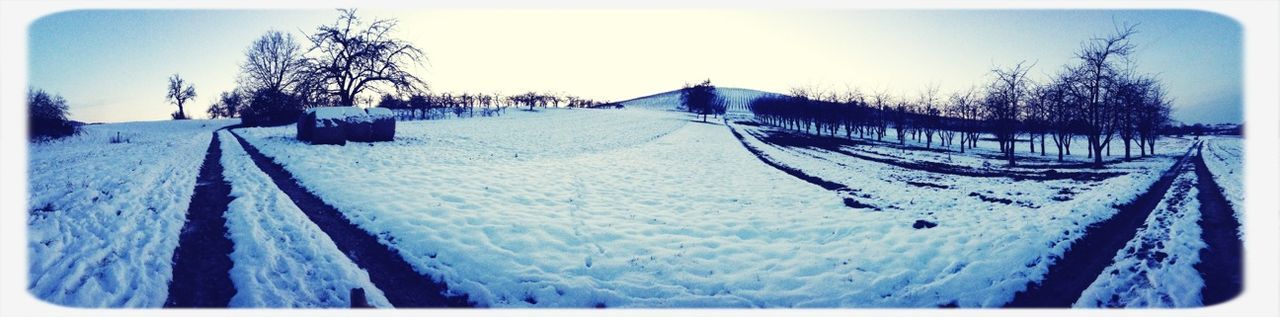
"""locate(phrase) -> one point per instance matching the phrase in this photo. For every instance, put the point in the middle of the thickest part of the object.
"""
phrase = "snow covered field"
(1223, 156)
(104, 217)
(994, 234)
(633, 207)
(644, 208)
(1156, 268)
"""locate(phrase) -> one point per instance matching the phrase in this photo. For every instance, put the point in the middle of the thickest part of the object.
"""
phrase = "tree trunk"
(1042, 145)
(1126, 149)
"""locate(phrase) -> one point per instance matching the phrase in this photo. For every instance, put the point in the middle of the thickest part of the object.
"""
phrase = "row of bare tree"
(1098, 98)
(432, 106)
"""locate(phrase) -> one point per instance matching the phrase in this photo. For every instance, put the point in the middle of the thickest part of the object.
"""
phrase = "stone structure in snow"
(337, 125)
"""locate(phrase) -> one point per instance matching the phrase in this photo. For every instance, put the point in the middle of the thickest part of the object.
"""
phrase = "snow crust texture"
(104, 215)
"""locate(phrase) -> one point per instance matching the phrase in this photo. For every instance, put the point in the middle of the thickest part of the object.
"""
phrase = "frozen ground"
(282, 259)
(104, 217)
(644, 208)
(1223, 157)
(1156, 268)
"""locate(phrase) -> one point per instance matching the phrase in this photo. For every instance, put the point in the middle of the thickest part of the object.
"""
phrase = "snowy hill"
(738, 99)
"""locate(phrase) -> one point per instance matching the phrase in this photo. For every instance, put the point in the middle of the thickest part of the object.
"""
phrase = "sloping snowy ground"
(1223, 157)
(104, 217)
(281, 258)
(995, 234)
(644, 208)
(737, 100)
(1156, 268)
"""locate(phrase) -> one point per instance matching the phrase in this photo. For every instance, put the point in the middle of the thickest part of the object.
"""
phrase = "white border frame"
(1260, 21)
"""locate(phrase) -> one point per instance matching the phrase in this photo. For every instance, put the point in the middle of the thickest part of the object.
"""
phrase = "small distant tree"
(180, 91)
(701, 99)
(929, 105)
(390, 101)
(228, 105)
(48, 116)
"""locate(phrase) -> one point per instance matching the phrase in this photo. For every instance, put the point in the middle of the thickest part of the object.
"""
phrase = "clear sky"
(113, 65)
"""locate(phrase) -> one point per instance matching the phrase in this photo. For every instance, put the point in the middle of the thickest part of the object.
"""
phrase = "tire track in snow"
(202, 261)
(845, 192)
(402, 285)
(1221, 260)
(1090, 255)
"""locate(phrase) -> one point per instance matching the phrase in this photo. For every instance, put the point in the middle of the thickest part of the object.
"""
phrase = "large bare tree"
(353, 57)
(180, 91)
(274, 61)
(1005, 98)
(1097, 82)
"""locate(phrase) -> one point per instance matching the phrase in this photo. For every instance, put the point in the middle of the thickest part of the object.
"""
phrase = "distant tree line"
(1097, 98)
(435, 106)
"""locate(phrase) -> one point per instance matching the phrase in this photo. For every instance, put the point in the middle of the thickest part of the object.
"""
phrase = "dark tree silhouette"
(48, 116)
(701, 99)
(353, 57)
(274, 61)
(1004, 102)
(1096, 81)
(179, 93)
(228, 105)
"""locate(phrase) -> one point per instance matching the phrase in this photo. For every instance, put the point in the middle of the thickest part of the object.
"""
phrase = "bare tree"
(929, 109)
(228, 105)
(274, 61)
(1005, 98)
(47, 115)
(967, 111)
(1063, 108)
(1153, 117)
(701, 99)
(353, 57)
(180, 91)
(1096, 81)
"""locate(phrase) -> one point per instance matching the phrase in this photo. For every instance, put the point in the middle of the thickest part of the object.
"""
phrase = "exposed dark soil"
(402, 285)
(202, 261)
(1079, 266)
(1221, 260)
(1031, 171)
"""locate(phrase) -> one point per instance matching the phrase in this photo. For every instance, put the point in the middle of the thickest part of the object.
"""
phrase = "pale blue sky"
(113, 65)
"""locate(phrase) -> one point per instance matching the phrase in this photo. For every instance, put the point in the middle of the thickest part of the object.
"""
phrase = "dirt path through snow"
(402, 285)
(1092, 253)
(1222, 259)
(202, 260)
